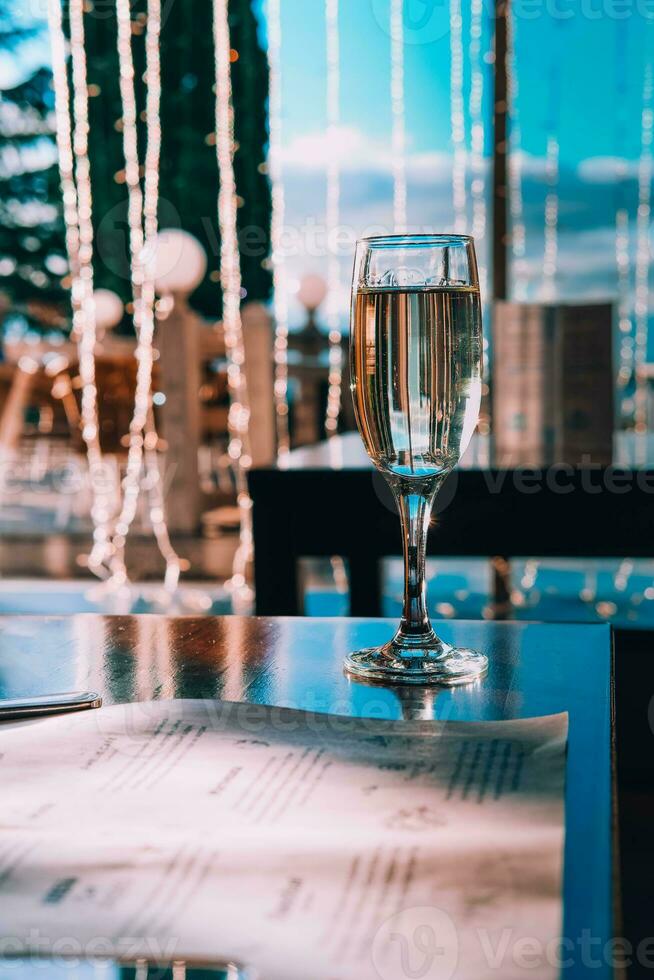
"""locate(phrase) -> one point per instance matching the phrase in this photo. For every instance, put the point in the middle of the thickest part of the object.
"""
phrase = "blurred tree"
(32, 251)
(188, 172)
(32, 261)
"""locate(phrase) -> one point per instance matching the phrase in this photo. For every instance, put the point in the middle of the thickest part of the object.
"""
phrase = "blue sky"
(365, 57)
(579, 52)
(579, 55)
(580, 66)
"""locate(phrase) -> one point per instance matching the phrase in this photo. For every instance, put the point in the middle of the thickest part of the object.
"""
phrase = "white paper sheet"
(309, 846)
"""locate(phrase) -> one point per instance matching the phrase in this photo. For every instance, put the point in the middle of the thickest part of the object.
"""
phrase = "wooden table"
(328, 500)
(534, 670)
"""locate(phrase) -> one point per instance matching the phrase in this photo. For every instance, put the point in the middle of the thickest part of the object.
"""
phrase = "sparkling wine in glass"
(416, 383)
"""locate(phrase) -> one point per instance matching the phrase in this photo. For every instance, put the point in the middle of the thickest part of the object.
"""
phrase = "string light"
(622, 575)
(622, 260)
(477, 187)
(156, 508)
(277, 227)
(551, 235)
(624, 318)
(551, 247)
(75, 176)
(622, 237)
(398, 110)
(142, 221)
(157, 511)
(518, 227)
(457, 116)
(230, 275)
(643, 250)
(332, 220)
(335, 379)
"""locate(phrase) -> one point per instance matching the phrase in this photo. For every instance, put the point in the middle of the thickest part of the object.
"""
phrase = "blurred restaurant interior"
(182, 187)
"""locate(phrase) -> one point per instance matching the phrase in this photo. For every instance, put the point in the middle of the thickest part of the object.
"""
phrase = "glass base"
(432, 662)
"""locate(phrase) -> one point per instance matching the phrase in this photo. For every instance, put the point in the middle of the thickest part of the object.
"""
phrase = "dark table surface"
(534, 670)
(328, 500)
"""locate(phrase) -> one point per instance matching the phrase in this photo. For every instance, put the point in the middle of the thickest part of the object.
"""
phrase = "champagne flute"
(415, 352)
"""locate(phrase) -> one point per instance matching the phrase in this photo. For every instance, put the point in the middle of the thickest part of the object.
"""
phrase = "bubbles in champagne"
(416, 375)
(404, 278)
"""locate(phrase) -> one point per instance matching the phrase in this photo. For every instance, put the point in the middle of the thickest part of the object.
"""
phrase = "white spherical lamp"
(109, 309)
(180, 262)
(312, 291)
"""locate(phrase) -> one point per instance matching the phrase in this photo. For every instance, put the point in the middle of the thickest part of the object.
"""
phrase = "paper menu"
(306, 845)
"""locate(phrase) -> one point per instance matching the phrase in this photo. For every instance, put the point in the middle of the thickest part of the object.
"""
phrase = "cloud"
(38, 154)
(355, 152)
(529, 165)
(25, 58)
(427, 167)
(346, 146)
(602, 170)
(588, 253)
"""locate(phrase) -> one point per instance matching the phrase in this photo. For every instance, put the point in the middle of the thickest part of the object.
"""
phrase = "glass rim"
(442, 238)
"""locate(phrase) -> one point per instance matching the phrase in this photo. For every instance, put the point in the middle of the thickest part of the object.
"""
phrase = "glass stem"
(415, 513)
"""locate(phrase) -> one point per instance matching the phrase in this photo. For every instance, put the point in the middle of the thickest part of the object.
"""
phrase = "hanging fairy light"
(551, 234)
(551, 247)
(477, 186)
(518, 227)
(643, 259)
(624, 318)
(280, 286)
(142, 208)
(624, 571)
(643, 250)
(230, 275)
(75, 176)
(625, 372)
(398, 110)
(623, 270)
(457, 117)
(156, 506)
(622, 238)
(335, 379)
(157, 511)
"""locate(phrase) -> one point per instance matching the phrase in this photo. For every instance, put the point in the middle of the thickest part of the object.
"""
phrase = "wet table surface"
(534, 670)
